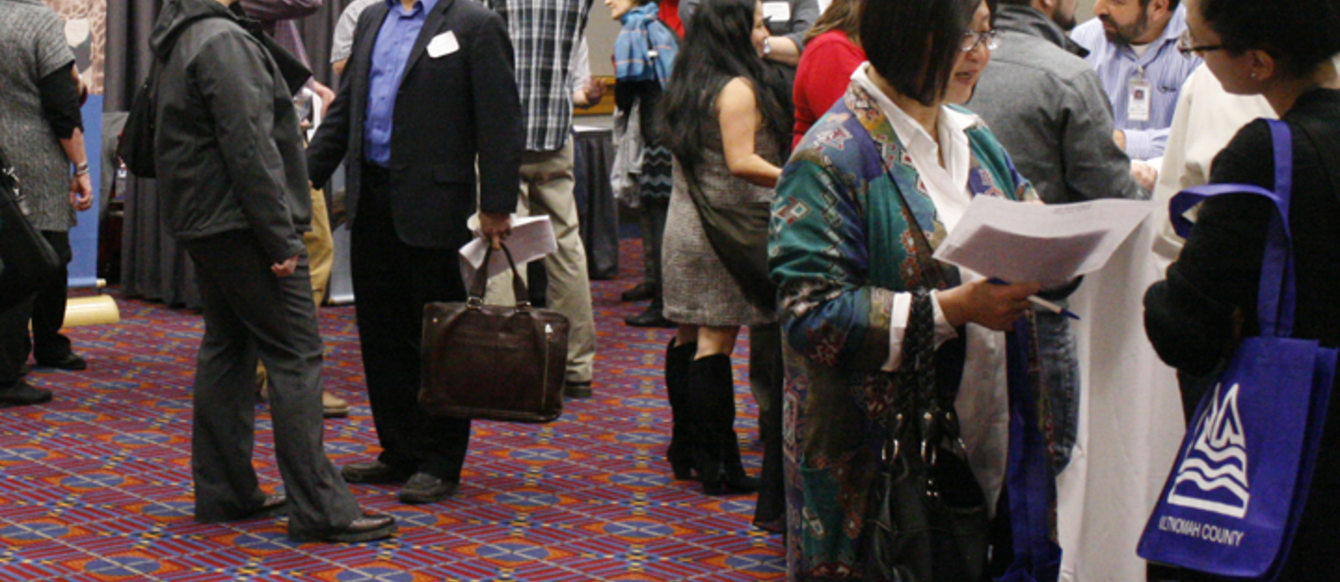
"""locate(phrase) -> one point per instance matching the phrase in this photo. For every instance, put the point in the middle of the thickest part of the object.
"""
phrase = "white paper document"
(1022, 242)
(532, 238)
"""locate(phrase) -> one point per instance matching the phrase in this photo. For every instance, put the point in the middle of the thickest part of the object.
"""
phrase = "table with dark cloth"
(598, 215)
(154, 267)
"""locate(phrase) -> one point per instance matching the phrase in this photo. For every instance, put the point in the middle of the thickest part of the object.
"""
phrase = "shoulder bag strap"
(1277, 291)
(937, 273)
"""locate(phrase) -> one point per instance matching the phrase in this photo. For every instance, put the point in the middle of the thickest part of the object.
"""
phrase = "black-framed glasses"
(986, 39)
(1187, 47)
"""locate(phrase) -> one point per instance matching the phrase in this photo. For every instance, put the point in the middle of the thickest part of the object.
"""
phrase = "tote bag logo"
(1213, 476)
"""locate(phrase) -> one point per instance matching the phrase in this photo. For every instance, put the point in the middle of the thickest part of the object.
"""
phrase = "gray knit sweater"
(32, 40)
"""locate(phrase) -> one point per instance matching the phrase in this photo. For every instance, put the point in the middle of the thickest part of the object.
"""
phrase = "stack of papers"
(532, 238)
(1026, 242)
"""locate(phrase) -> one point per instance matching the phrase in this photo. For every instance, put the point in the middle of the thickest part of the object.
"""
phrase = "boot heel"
(682, 468)
(680, 457)
(731, 486)
(682, 416)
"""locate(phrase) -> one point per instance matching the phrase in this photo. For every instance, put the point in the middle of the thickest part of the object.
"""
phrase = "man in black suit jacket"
(428, 92)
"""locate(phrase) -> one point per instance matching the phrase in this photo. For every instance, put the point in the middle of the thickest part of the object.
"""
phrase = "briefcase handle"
(481, 279)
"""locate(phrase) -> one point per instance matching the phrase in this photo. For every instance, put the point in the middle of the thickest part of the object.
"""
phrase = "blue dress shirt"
(1162, 67)
(390, 54)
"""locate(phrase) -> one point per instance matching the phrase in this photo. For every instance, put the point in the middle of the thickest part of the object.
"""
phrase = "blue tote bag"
(1236, 492)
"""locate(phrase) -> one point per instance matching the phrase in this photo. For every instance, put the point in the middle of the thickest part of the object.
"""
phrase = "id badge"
(1137, 100)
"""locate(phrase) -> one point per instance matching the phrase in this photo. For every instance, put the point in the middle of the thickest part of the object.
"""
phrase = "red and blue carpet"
(96, 485)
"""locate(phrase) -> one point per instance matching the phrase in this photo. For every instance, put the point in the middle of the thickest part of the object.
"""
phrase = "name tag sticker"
(443, 44)
(779, 12)
(1137, 100)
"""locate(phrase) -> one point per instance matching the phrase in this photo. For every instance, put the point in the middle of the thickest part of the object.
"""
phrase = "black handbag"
(739, 236)
(135, 146)
(926, 520)
(27, 259)
(493, 362)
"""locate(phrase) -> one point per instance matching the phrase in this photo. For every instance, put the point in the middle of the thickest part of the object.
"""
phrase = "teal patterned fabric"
(840, 247)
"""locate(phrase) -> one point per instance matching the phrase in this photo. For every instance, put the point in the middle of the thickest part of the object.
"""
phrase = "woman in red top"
(832, 53)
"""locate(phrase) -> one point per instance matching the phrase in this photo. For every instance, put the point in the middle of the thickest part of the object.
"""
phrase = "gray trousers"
(249, 313)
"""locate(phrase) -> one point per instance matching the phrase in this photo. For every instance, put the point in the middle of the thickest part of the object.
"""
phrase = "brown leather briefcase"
(493, 362)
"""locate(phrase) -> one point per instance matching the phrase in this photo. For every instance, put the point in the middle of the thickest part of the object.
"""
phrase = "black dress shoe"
(577, 390)
(276, 504)
(374, 472)
(372, 526)
(425, 488)
(642, 292)
(69, 362)
(775, 525)
(651, 317)
(22, 394)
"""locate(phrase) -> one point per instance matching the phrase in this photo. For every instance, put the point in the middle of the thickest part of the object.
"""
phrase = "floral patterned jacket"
(840, 247)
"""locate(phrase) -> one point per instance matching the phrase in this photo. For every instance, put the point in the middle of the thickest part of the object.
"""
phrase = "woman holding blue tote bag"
(1199, 316)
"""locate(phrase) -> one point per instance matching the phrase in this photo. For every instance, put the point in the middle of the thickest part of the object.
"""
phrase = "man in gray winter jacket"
(233, 179)
(1048, 108)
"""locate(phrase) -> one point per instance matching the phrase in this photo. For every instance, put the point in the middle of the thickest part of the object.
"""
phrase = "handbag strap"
(1277, 291)
(1029, 479)
(941, 275)
(479, 282)
(930, 420)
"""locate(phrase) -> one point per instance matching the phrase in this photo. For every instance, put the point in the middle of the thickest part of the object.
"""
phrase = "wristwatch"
(81, 168)
(767, 46)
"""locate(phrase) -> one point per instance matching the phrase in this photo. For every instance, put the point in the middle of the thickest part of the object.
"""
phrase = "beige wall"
(1085, 10)
(600, 33)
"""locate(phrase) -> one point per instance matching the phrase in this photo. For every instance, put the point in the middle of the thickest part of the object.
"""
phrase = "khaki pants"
(320, 247)
(547, 188)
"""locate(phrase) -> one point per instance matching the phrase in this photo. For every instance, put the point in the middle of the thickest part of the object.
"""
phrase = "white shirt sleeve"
(899, 312)
(581, 65)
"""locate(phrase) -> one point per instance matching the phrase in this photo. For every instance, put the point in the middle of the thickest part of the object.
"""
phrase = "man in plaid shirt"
(544, 34)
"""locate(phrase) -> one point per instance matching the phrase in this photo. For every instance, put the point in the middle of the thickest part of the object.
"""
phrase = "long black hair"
(716, 49)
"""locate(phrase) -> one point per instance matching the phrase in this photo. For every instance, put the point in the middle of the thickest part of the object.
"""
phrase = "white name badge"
(1137, 100)
(779, 12)
(443, 44)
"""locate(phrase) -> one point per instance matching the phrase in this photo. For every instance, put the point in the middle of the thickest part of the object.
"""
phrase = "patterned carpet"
(96, 485)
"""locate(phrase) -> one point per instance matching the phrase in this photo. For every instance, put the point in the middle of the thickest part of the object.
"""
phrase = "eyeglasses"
(986, 39)
(1185, 46)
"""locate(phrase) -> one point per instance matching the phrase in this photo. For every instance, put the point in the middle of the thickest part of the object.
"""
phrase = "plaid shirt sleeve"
(545, 33)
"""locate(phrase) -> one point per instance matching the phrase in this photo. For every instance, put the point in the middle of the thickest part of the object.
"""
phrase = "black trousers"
(392, 282)
(251, 313)
(46, 310)
(766, 381)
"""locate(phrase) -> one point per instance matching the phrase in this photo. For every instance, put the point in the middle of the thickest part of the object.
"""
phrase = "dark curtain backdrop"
(152, 266)
(130, 21)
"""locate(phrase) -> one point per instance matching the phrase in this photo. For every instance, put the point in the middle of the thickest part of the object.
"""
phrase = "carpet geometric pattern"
(96, 485)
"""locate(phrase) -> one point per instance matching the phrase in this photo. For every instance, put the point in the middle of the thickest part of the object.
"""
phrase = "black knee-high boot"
(712, 392)
(680, 453)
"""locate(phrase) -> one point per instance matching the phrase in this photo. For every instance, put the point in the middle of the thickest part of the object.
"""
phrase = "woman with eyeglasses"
(872, 189)
(1281, 50)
